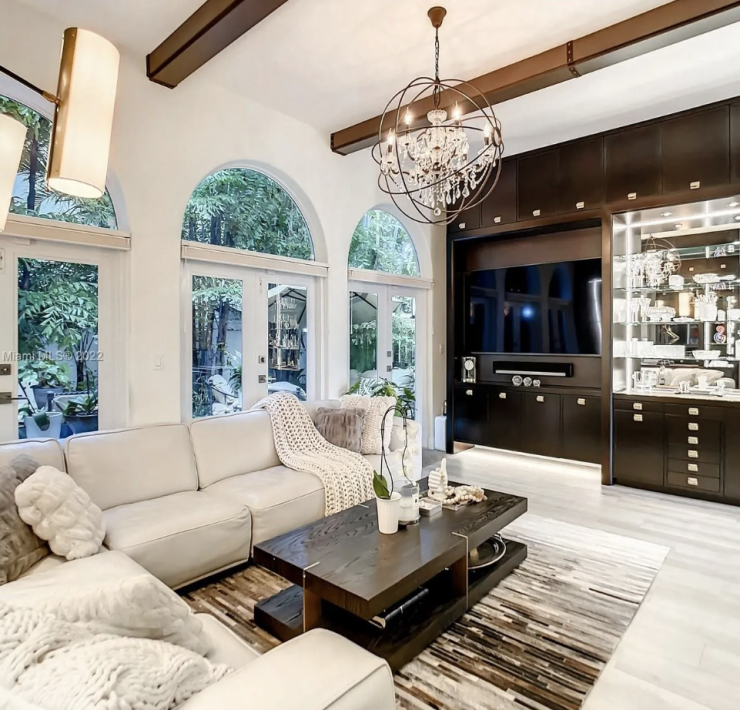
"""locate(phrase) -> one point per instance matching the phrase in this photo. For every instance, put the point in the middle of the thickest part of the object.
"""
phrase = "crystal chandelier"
(435, 169)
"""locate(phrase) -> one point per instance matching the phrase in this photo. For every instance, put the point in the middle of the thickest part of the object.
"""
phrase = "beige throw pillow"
(375, 408)
(341, 427)
(20, 548)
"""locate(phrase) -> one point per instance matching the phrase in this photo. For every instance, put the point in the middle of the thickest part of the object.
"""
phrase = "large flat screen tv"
(550, 309)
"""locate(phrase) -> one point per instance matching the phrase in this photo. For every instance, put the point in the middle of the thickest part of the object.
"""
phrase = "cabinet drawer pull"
(632, 196)
(469, 393)
(637, 417)
(637, 406)
(693, 454)
(693, 468)
(536, 213)
(693, 411)
(497, 220)
(502, 395)
(581, 402)
(692, 481)
(462, 225)
(580, 205)
(693, 441)
(695, 185)
(693, 426)
(540, 398)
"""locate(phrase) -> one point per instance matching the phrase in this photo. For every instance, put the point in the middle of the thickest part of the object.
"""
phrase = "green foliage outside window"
(381, 243)
(32, 197)
(245, 209)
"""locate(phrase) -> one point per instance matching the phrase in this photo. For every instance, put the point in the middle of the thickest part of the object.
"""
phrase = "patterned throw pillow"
(341, 427)
(375, 408)
(20, 548)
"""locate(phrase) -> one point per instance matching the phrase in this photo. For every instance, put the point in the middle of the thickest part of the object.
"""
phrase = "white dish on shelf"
(706, 278)
(683, 319)
(706, 354)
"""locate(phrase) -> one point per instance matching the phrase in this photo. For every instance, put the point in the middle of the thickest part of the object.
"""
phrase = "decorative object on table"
(517, 380)
(536, 383)
(487, 553)
(388, 502)
(684, 304)
(409, 505)
(429, 508)
(733, 314)
(645, 379)
(660, 313)
(425, 161)
(676, 282)
(61, 512)
(468, 370)
(460, 496)
(704, 279)
(720, 337)
(721, 316)
(634, 309)
(528, 381)
(644, 302)
(684, 387)
(669, 335)
(438, 482)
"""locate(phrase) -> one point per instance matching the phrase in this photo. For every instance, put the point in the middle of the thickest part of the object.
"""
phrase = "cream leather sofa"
(181, 533)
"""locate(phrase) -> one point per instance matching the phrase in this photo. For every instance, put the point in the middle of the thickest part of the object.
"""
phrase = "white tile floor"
(682, 651)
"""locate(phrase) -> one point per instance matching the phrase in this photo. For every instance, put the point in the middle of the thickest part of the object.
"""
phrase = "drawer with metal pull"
(708, 470)
(690, 451)
(637, 405)
(707, 431)
(690, 481)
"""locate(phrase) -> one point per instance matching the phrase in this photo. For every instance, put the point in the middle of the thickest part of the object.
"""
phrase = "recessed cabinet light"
(678, 226)
(734, 204)
(666, 214)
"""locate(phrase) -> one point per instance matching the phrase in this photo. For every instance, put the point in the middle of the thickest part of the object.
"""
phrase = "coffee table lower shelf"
(282, 614)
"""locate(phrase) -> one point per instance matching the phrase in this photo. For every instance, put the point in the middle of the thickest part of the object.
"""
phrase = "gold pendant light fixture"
(83, 121)
(434, 169)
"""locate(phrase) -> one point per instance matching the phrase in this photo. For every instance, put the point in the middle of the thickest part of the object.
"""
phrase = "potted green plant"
(388, 502)
(45, 377)
(82, 414)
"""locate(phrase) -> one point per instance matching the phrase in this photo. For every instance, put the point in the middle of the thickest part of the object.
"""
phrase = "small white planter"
(388, 511)
(52, 432)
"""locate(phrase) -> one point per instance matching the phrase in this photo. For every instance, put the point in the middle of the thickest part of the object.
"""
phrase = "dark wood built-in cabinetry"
(538, 185)
(582, 175)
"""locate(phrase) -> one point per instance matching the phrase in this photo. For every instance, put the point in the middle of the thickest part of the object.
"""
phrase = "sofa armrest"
(316, 671)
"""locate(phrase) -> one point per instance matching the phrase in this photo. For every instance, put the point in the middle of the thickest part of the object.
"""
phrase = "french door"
(387, 335)
(248, 333)
(62, 342)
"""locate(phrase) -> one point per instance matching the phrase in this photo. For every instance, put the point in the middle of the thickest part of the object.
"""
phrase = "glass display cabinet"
(676, 305)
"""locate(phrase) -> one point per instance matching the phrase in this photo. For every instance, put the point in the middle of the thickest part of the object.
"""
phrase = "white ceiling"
(333, 63)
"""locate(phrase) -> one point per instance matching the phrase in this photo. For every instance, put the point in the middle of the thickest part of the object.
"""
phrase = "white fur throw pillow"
(375, 408)
(60, 512)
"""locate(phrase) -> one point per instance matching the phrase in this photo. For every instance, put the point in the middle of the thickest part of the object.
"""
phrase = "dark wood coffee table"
(345, 573)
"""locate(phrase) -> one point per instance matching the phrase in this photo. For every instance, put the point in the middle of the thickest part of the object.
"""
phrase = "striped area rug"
(537, 642)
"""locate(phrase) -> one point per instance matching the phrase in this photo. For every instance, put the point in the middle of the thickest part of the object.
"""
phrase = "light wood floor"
(682, 651)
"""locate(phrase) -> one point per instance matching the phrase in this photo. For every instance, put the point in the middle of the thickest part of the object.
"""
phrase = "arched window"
(245, 209)
(32, 197)
(381, 243)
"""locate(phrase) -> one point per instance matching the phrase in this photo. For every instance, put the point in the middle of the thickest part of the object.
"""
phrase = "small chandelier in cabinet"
(434, 169)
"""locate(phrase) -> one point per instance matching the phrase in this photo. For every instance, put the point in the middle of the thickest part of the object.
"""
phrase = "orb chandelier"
(435, 169)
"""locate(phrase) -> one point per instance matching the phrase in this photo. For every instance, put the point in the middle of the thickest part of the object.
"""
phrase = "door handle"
(693, 426)
(693, 441)
(694, 411)
(502, 395)
(7, 398)
(540, 398)
(693, 454)
(637, 406)
(581, 402)
(469, 393)
(637, 417)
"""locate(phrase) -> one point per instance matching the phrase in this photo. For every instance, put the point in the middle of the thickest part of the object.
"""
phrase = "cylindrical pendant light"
(80, 141)
(12, 140)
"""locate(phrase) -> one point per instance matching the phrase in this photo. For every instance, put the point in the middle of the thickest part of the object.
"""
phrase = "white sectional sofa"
(184, 503)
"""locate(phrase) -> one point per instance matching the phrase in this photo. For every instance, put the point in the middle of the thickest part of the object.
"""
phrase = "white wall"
(164, 143)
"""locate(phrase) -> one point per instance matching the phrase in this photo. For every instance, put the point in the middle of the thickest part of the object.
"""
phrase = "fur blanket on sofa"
(88, 653)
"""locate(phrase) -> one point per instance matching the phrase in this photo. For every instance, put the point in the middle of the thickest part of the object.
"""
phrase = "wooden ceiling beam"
(666, 25)
(208, 31)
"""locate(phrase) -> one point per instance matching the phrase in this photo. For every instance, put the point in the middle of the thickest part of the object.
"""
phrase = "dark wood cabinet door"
(500, 206)
(466, 220)
(541, 424)
(582, 175)
(639, 446)
(732, 457)
(633, 163)
(582, 428)
(696, 150)
(504, 419)
(471, 414)
(538, 185)
(735, 142)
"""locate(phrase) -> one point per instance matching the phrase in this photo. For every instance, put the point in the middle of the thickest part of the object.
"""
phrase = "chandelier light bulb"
(457, 114)
(408, 118)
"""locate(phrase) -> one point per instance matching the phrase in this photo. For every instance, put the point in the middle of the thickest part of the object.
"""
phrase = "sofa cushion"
(341, 427)
(278, 498)
(232, 445)
(132, 465)
(313, 407)
(182, 537)
(45, 452)
(226, 646)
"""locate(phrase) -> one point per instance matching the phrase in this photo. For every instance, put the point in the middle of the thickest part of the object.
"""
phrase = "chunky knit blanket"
(57, 661)
(347, 476)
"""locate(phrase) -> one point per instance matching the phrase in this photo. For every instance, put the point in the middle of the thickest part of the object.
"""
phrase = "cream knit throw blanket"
(64, 665)
(347, 476)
